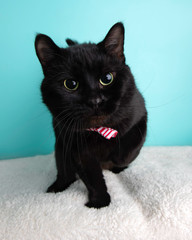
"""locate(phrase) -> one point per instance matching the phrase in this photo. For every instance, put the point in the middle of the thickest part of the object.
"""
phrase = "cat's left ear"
(71, 42)
(113, 44)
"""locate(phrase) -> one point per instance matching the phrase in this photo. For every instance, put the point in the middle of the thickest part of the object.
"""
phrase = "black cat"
(89, 86)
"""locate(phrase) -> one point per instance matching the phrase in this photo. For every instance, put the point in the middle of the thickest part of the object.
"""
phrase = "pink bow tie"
(107, 133)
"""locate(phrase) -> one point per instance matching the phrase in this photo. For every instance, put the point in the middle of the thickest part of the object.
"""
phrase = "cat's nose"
(95, 102)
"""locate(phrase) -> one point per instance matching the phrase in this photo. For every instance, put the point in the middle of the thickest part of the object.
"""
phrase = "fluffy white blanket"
(152, 199)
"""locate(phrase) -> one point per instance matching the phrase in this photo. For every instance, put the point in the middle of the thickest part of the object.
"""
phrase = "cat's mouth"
(97, 121)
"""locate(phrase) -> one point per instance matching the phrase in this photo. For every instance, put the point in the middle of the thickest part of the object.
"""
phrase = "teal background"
(158, 48)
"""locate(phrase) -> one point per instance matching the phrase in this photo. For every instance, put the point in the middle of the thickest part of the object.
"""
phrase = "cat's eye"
(106, 79)
(71, 84)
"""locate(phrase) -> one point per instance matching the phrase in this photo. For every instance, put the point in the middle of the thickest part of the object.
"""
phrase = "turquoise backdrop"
(158, 48)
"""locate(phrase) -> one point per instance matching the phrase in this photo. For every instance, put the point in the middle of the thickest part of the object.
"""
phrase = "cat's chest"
(98, 146)
(87, 144)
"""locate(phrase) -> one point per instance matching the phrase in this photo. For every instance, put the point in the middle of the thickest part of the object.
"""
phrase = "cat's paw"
(60, 185)
(57, 187)
(118, 169)
(99, 201)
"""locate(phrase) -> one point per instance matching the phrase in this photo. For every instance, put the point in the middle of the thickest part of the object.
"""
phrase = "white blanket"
(152, 199)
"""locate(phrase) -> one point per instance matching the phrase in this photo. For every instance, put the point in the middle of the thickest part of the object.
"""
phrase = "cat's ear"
(113, 44)
(46, 49)
(70, 42)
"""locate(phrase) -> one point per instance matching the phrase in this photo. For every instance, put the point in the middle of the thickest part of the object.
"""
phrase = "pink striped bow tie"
(107, 133)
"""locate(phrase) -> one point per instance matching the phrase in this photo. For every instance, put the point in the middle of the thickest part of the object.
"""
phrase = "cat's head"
(87, 81)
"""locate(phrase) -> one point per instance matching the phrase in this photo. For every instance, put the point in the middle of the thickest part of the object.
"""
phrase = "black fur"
(119, 106)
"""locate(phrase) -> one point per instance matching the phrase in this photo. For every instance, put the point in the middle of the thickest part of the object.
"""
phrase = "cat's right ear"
(46, 49)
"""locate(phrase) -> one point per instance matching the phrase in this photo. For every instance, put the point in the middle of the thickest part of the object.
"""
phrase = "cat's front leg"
(66, 174)
(129, 145)
(91, 174)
